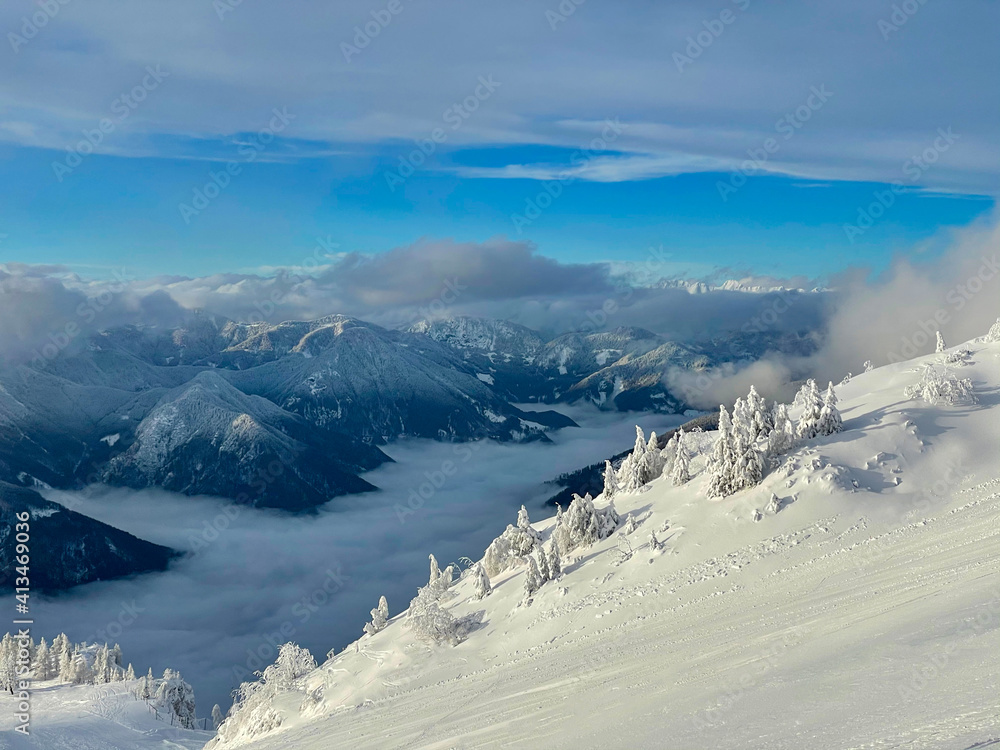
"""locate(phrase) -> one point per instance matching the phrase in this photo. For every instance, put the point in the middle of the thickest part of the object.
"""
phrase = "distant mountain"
(622, 368)
(67, 548)
(284, 416)
(207, 437)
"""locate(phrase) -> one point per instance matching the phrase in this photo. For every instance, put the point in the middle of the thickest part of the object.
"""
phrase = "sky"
(192, 137)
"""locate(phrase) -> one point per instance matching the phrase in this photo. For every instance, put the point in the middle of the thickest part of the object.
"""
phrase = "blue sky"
(507, 101)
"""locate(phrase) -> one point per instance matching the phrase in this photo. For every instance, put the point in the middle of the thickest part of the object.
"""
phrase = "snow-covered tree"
(532, 579)
(524, 524)
(435, 571)
(217, 717)
(669, 455)
(555, 564)
(774, 505)
(380, 616)
(812, 406)
(43, 661)
(722, 461)
(830, 420)
(8, 663)
(629, 526)
(481, 582)
(252, 713)
(67, 671)
(610, 481)
(146, 691)
(650, 466)
(176, 697)
(583, 524)
(498, 556)
(782, 437)
(129, 673)
(939, 385)
(430, 622)
(993, 336)
(753, 417)
(101, 668)
(292, 663)
(940, 346)
(654, 544)
(868, 366)
(544, 573)
(748, 470)
(680, 469)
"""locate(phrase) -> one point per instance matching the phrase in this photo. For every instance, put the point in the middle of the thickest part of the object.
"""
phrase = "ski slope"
(863, 614)
(93, 717)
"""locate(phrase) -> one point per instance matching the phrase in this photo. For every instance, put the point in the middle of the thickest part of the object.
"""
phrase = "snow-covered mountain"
(621, 368)
(207, 407)
(848, 598)
(208, 438)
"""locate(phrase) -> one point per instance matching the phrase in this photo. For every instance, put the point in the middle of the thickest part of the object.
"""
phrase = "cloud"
(46, 310)
(556, 85)
(884, 318)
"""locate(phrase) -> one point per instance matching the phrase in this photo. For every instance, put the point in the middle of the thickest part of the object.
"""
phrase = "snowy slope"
(93, 717)
(865, 613)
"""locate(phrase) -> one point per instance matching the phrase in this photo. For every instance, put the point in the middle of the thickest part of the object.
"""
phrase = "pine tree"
(681, 469)
(629, 526)
(499, 556)
(610, 482)
(148, 685)
(812, 406)
(651, 464)
(102, 670)
(129, 673)
(66, 671)
(749, 468)
(830, 420)
(993, 335)
(940, 346)
(782, 437)
(481, 582)
(654, 544)
(217, 717)
(42, 663)
(722, 461)
(435, 571)
(669, 455)
(380, 616)
(543, 565)
(532, 579)
(555, 564)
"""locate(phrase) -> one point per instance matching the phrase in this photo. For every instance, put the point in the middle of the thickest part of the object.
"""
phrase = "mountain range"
(291, 415)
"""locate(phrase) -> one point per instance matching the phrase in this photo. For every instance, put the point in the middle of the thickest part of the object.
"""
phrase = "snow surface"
(864, 613)
(93, 717)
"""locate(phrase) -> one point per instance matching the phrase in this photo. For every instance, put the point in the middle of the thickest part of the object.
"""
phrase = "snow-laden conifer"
(380, 616)
(481, 582)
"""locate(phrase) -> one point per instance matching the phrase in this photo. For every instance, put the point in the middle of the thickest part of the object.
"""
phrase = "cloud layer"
(697, 90)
